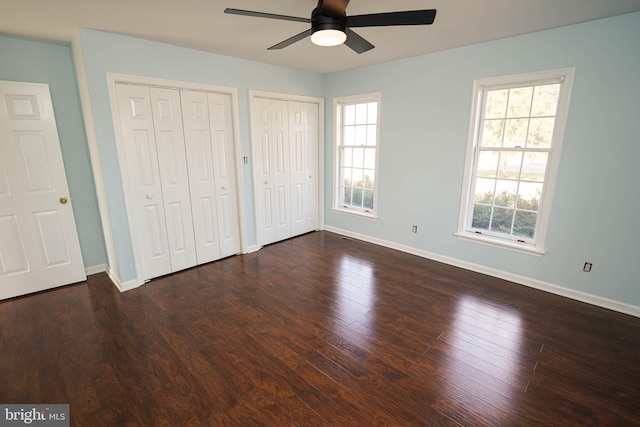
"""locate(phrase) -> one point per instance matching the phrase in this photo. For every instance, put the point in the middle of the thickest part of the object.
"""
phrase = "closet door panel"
(281, 168)
(264, 182)
(172, 165)
(310, 154)
(199, 149)
(298, 164)
(224, 173)
(137, 127)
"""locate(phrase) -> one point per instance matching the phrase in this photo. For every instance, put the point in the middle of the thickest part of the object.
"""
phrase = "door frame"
(113, 79)
(253, 94)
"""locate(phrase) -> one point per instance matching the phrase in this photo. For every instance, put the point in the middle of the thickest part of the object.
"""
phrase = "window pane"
(502, 220)
(371, 135)
(515, 133)
(525, 224)
(347, 156)
(492, 133)
(520, 102)
(349, 115)
(367, 201)
(540, 132)
(361, 114)
(357, 197)
(369, 179)
(370, 158)
(510, 164)
(346, 176)
(357, 178)
(488, 163)
(372, 112)
(358, 158)
(529, 196)
(481, 217)
(484, 190)
(506, 193)
(349, 135)
(496, 104)
(545, 100)
(534, 166)
(361, 135)
(347, 196)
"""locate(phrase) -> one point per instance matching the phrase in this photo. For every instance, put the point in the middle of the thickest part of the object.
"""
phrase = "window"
(514, 143)
(357, 138)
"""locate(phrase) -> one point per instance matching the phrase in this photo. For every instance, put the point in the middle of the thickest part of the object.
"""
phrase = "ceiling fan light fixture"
(328, 37)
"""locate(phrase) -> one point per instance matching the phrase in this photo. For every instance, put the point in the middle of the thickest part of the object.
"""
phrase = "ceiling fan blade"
(409, 17)
(334, 7)
(356, 42)
(265, 15)
(292, 40)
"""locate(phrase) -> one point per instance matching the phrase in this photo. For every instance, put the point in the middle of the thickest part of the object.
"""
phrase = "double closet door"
(180, 167)
(285, 147)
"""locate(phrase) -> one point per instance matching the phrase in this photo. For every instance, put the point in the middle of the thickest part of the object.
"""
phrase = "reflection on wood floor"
(321, 331)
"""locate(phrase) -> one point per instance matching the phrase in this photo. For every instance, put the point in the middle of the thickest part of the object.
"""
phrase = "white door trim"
(253, 94)
(113, 79)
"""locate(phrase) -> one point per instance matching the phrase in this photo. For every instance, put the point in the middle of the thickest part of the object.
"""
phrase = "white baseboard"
(122, 286)
(100, 268)
(521, 280)
(252, 249)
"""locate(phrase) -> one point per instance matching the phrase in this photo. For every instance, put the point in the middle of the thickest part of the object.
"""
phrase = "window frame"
(338, 105)
(465, 231)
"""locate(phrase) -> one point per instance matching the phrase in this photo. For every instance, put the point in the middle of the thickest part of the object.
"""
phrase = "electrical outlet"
(414, 229)
(587, 267)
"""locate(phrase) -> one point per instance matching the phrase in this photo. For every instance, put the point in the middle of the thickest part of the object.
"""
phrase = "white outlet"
(587, 267)
(414, 229)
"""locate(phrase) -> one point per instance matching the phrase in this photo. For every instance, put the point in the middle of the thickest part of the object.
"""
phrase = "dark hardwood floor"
(321, 331)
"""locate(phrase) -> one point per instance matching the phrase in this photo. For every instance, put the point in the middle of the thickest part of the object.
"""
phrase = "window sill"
(500, 243)
(353, 212)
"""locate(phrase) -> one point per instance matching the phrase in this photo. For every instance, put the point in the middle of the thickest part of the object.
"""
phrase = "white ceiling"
(202, 25)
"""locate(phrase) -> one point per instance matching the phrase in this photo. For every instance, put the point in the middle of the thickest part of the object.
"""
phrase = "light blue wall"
(107, 52)
(426, 105)
(28, 61)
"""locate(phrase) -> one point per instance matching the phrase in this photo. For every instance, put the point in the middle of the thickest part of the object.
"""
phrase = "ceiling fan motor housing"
(320, 21)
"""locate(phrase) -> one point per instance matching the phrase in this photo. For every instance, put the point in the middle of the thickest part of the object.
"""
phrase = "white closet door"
(272, 170)
(262, 170)
(137, 126)
(224, 173)
(39, 246)
(195, 111)
(281, 168)
(311, 115)
(174, 179)
(298, 153)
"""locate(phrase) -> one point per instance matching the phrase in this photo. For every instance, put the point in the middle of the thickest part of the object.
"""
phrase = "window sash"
(524, 206)
(357, 154)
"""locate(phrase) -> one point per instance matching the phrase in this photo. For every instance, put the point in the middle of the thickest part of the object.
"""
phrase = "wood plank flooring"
(321, 331)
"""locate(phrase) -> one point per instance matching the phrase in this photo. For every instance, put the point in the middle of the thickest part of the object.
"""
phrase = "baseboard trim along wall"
(521, 280)
(122, 286)
(100, 268)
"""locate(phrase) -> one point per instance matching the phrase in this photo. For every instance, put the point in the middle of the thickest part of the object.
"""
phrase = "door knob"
(149, 196)
(63, 200)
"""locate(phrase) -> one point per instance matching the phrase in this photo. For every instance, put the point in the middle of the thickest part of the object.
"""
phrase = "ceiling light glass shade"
(328, 37)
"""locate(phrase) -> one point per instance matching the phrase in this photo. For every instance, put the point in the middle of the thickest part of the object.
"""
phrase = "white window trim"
(337, 127)
(479, 85)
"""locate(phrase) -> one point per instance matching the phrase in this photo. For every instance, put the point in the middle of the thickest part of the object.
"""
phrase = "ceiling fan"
(330, 25)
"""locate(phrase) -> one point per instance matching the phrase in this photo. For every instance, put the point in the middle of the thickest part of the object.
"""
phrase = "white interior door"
(224, 169)
(174, 179)
(200, 154)
(285, 149)
(137, 126)
(39, 246)
(272, 170)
